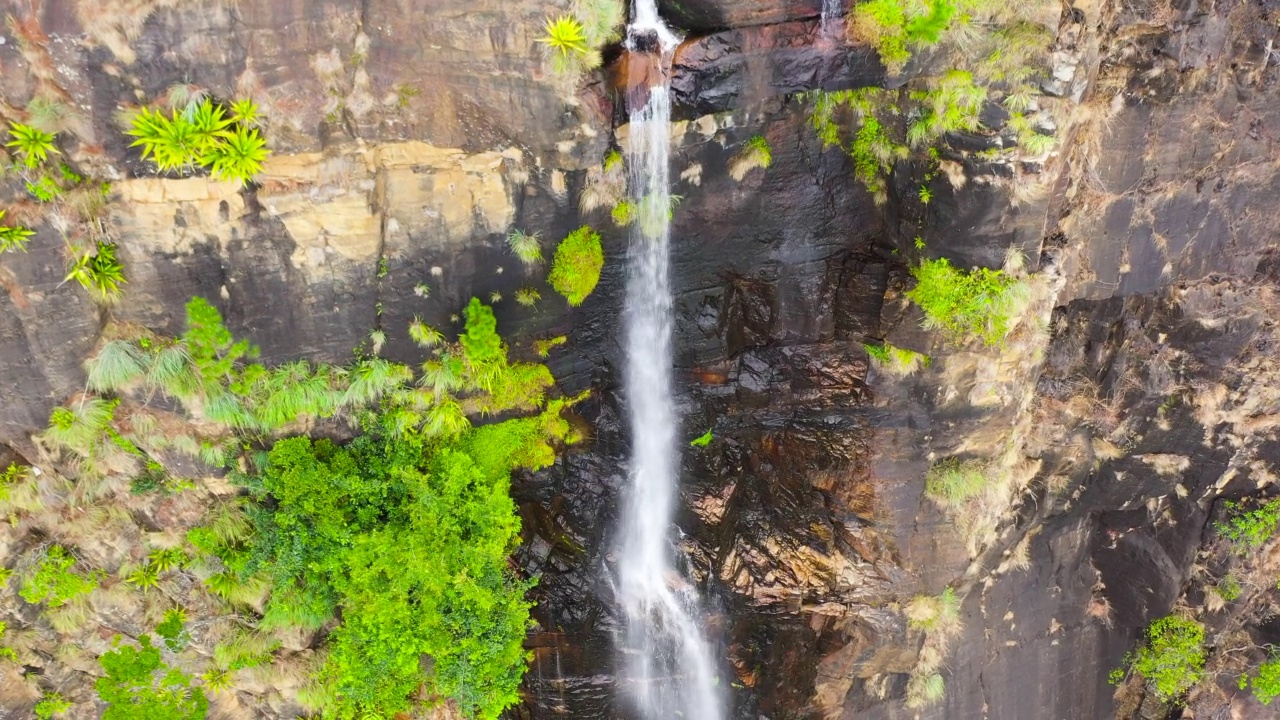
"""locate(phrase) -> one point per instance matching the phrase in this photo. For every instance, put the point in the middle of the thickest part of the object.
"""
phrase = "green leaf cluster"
(982, 303)
(54, 582)
(139, 686)
(202, 134)
(1172, 659)
(1248, 530)
(578, 262)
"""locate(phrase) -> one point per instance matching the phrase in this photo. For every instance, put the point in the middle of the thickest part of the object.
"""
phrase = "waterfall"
(830, 17)
(668, 664)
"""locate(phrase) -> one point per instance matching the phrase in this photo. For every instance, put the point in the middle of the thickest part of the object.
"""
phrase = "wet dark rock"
(711, 15)
(747, 65)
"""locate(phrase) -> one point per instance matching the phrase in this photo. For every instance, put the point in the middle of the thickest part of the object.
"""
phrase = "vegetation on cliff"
(390, 551)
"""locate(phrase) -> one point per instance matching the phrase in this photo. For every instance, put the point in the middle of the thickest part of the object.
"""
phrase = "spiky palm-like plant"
(100, 273)
(238, 157)
(144, 578)
(13, 237)
(565, 37)
(245, 112)
(217, 680)
(33, 144)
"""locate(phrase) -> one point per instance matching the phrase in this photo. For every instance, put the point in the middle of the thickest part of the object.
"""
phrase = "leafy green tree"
(1264, 683)
(139, 686)
(409, 535)
(1172, 659)
(578, 262)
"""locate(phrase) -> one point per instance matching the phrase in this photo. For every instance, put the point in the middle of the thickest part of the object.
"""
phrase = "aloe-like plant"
(239, 157)
(13, 237)
(32, 144)
(565, 36)
(202, 134)
(100, 273)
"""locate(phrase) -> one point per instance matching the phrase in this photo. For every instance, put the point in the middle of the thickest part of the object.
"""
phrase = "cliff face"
(410, 137)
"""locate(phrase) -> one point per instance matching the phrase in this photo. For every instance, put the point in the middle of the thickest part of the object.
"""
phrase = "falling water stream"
(668, 663)
(830, 17)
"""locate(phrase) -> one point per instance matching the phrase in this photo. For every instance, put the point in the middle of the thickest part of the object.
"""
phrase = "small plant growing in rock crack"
(896, 361)
(935, 613)
(528, 297)
(756, 153)
(424, 335)
(54, 583)
(702, 440)
(100, 273)
(578, 262)
(1171, 659)
(982, 303)
(624, 213)
(32, 145)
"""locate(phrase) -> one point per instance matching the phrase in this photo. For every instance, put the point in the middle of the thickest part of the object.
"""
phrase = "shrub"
(1172, 659)
(1248, 530)
(100, 273)
(53, 581)
(578, 262)
(952, 481)
(567, 43)
(982, 303)
(32, 145)
(1264, 683)
(50, 704)
(138, 685)
(624, 213)
(892, 26)
(924, 689)
(952, 104)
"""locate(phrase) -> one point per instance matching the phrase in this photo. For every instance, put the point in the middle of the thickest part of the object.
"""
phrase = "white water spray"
(669, 667)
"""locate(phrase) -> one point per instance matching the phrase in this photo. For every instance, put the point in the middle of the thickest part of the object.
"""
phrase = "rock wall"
(409, 138)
